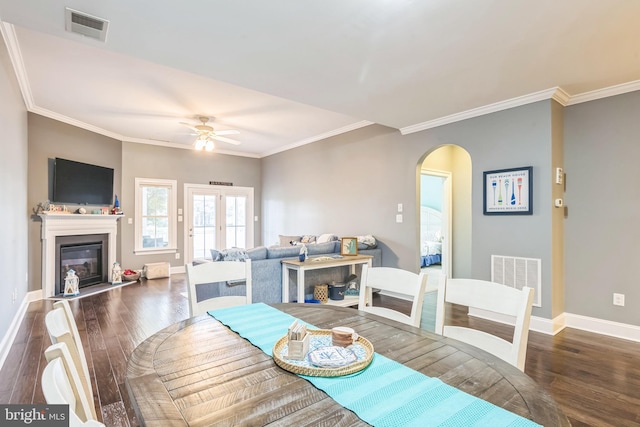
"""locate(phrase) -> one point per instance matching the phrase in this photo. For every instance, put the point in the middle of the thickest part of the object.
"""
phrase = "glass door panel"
(236, 217)
(203, 228)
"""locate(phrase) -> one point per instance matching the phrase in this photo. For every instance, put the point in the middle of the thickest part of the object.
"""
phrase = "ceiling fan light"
(200, 144)
(209, 146)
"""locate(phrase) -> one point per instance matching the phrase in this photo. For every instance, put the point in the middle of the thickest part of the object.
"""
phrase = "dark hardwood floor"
(595, 379)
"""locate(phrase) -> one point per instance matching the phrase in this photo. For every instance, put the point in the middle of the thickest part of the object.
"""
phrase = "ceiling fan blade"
(189, 125)
(226, 132)
(227, 140)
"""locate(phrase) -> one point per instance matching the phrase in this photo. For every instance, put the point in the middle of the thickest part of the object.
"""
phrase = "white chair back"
(61, 384)
(212, 272)
(62, 328)
(393, 280)
(493, 297)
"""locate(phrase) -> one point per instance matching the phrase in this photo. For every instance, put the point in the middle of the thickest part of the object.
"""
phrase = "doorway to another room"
(445, 217)
(435, 224)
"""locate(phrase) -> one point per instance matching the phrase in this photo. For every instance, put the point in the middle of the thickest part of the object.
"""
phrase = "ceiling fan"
(206, 134)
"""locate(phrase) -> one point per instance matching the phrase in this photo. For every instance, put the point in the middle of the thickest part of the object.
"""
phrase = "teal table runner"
(386, 393)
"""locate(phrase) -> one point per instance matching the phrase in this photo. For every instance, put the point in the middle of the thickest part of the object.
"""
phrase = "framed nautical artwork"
(508, 191)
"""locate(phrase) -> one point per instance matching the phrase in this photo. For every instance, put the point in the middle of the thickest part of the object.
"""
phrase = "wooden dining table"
(200, 373)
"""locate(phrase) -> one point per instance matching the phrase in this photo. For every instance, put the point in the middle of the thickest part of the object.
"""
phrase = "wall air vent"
(517, 273)
(86, 25)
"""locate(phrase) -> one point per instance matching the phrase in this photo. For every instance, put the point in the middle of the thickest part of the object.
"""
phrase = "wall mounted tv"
(82, 183)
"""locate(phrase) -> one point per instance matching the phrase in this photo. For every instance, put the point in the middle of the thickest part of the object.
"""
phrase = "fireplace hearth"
(86, 255)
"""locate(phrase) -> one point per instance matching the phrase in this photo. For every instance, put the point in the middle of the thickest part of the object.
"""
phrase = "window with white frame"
(156, 216)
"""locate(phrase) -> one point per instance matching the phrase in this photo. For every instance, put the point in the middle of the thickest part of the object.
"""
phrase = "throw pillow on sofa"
(366, 242)
(306, 239)
(231, 254)
(323, 238)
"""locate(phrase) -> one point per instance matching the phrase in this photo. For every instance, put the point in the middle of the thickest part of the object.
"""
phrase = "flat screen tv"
(82, 183)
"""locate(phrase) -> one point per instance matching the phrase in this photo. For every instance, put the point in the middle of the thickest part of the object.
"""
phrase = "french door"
(217, 217)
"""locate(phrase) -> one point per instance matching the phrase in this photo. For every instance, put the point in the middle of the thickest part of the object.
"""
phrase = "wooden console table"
(310, 264)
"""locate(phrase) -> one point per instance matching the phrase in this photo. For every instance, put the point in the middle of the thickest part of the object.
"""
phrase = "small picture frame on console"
(348, 246)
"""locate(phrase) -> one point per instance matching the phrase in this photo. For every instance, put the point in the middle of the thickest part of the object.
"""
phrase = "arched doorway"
(445, 212)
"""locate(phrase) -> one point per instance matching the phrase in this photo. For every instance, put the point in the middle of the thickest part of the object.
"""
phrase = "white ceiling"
(289, 72)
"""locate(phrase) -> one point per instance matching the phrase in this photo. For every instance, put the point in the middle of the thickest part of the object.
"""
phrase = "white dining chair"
(210, 273)
(493, 297)
(62, 328)
(61, 385)
(397, 281)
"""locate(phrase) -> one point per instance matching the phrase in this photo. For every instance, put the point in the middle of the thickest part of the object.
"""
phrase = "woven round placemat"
(314, 371)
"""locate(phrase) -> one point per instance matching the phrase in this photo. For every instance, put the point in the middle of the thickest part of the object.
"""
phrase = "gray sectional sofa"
(266, 270)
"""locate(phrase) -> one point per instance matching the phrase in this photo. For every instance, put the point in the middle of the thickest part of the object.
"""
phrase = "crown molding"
(561, 97)
(557, 94)
(8, 32)
(73, 122)
(553, 93)
(605, 92)
(339, 131)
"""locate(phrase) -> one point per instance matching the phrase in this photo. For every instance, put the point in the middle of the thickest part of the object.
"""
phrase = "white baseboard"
(604, 327)
(177, 270)
(7, 340)
(34, 296)
(569, 320)
(548, 326)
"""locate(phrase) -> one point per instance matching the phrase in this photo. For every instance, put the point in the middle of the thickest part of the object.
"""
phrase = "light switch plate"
(399, 207)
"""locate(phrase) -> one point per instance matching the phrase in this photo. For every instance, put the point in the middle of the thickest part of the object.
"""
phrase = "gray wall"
(185, 166)
(351, 184)
(49, 139)
(602, 237)
(13, 193)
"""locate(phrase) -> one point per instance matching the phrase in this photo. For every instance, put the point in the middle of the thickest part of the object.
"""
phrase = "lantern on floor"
(116, 274)
(71, 283)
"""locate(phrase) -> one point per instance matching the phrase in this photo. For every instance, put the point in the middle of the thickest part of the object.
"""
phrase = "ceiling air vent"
(87, 25)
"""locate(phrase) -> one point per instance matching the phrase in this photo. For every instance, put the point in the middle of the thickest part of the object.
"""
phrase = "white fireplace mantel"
(54, 225)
